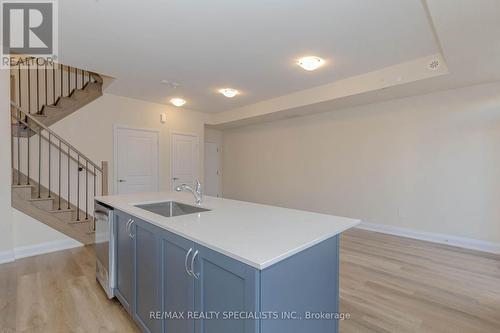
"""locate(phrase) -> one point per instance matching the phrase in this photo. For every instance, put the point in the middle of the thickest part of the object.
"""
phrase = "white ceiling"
(248, 45)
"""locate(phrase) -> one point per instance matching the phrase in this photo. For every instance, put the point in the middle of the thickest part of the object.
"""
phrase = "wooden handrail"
(24, 121)
(52, 133)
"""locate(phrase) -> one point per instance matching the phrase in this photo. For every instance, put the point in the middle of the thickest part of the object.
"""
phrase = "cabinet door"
(124, 260)
(226, 286)
(178, 285)
(147, 282)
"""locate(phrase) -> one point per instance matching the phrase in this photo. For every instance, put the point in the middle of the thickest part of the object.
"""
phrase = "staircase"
(51, 91)
(52, 181)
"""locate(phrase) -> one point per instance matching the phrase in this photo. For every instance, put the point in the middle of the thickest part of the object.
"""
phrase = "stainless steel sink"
(171, 208)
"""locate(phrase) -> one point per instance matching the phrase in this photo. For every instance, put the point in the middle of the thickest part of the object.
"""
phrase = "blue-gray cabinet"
(147, 278)
(124, 260)
(225, 285)
(178, 284)
(172, 285)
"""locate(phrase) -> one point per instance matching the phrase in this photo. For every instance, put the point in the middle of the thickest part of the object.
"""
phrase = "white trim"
(198, 161)
(7, 256)
(463, 242)
(116, 127)
(47, 247)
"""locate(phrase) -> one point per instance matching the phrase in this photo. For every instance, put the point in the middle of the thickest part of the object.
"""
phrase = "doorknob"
(175, 178)
(121, 180)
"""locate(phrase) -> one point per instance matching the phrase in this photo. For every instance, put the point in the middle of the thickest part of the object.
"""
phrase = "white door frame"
(116, 127)
(219, 185)
(172, 133)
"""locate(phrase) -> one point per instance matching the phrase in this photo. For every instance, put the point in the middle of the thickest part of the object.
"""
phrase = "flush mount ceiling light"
(229, 92)
(170, 84)
(310, 63)
(178, 101)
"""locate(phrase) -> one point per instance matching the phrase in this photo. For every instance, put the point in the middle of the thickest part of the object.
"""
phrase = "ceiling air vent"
(434, 65)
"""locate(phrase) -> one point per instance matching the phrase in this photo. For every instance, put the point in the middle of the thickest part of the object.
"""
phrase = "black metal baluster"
(86, 189)
(19, 83)
(69, 80)
(28, 152)
(19, 150)
(46, 84)
(89, 76)
(27, 121)
(83, 78)
(76, 78)
(12, 144)
(78, 189)
(37, 89)
(59, 190)
(50, 148)
(53, 84)
(61, 86)
(95, 176)
(39, 161)
(29, 87)
(69, 193)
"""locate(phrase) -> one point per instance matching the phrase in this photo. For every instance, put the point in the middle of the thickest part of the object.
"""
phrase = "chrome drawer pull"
(127, 227)
(195, 275)
(132, 235)
(186, 262)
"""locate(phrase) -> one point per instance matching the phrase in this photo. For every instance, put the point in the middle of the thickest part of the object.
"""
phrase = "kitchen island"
(226, 266)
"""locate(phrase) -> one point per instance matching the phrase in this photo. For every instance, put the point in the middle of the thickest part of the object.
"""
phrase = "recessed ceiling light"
(310, 63)
(178, 101)
(229, 92)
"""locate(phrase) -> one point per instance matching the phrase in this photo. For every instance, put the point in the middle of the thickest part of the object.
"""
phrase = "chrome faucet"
(196, 192)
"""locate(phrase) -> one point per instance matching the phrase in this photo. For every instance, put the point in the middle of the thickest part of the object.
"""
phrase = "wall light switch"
(163, 118)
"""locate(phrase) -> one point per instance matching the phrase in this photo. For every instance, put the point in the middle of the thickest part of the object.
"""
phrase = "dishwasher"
(105, 247)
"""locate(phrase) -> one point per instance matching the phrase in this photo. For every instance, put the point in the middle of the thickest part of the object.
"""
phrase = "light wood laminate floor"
(388, 284)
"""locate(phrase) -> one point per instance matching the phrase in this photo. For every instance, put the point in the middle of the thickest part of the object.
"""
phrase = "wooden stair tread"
(22, 186)
(64, 106)
(33, 199)
(45, 210)
(41, 199)
(62, 210)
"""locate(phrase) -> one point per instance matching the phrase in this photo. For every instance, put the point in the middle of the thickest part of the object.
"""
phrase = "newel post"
(104, 167)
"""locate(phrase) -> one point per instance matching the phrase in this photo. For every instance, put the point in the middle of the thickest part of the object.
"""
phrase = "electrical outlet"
(402, 213)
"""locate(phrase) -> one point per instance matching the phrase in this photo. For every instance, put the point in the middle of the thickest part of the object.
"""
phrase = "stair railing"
(83, 167)
(38, 74)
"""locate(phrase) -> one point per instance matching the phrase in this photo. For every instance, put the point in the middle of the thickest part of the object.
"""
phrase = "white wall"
(5, 168)
(20, 235)
(30, 237)
(213, 135)
(90, 129)
(55, 171)
(428, 163)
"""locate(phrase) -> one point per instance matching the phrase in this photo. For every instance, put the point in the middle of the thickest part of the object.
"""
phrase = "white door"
(136, 160)
(184, 159)
(212, 169)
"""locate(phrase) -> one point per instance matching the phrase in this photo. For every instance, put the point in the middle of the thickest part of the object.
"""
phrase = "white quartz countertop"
(257, 235)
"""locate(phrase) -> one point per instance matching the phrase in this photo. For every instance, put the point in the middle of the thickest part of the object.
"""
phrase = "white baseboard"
(47, 247)
(463, 242)
(6, 256)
